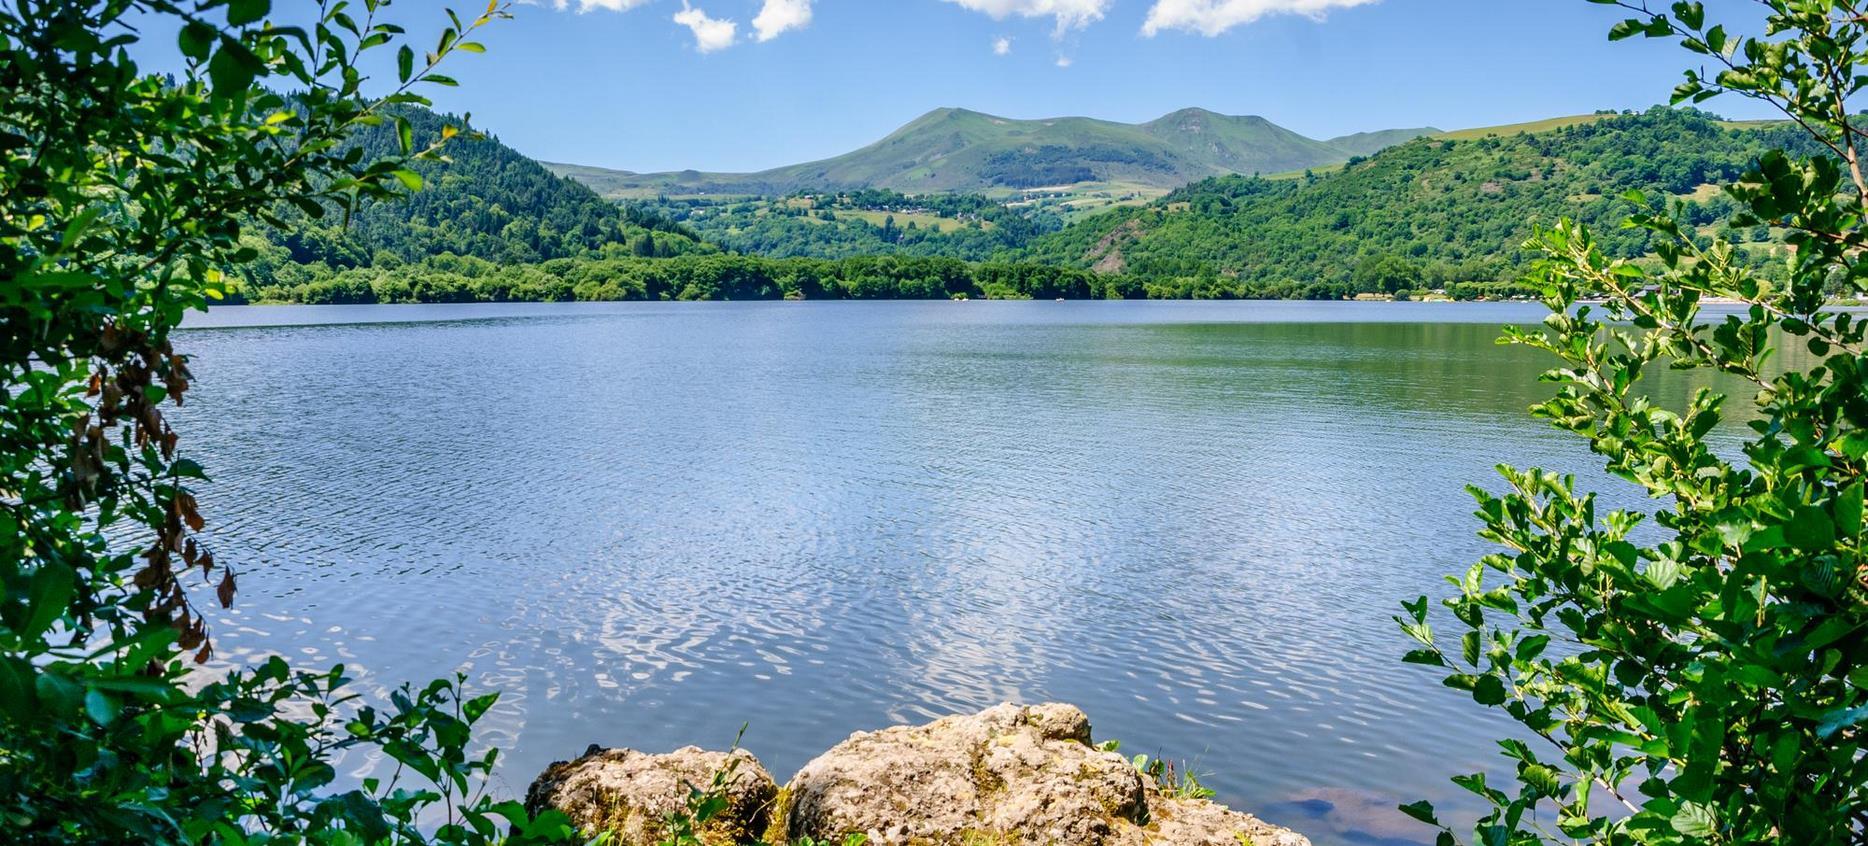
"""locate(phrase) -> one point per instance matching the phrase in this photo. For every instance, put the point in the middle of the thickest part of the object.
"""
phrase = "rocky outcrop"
(631, 794)
(1008, 776)
(1011, 775)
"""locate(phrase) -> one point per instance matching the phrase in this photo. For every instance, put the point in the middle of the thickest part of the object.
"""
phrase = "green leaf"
(1695, 820)
(1839, 719)
(53, 587)
(17, 698)
(1422, 811)
(1849, 511)
(243, 12)
(478, 706)
(145, 688)
(1489, 690)
(195, 40)
(102, 707)
(1543, 778)
(1662, 572)
(232, 69)
(59, 693)
(1691, 15)
(1805, 456)
(1810, 529)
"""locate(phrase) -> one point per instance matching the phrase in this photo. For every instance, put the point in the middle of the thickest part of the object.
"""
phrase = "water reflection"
(651, 523)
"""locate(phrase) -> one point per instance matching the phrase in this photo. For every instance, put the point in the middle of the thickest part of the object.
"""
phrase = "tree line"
(1432, 213)
(718, 276)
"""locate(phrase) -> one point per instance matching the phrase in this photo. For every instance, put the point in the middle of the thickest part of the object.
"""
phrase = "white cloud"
(1069, 14)
(1002, 46)
(710, 34)
(1212, 17)
(778, 16)
(587, 5)
(1065, 61)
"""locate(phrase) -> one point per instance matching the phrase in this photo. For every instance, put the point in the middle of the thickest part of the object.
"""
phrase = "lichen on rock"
(1011, 775)
(1008, 775)
(631, 794)
(1198, 822)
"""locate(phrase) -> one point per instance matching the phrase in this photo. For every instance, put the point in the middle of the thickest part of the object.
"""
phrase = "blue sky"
(621, 83)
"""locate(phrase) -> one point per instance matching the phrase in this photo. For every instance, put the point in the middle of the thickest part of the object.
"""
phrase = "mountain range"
(958, 150)
(1439, 212)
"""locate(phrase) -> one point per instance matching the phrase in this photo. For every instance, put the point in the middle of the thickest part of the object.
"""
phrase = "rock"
(1197, 822)
(1010, 774)
(631, 794)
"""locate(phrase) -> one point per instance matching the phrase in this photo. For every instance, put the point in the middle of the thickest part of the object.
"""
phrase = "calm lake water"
(651, 523)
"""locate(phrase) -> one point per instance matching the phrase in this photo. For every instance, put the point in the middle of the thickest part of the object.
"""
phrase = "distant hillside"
(838, 225)
(956, 150)
(1425, 214)
(487, 202)
(1370, 143)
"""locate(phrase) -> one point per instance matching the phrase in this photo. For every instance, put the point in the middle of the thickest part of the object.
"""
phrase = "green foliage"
(449, 279)
(1700, 670)
(1174, 782)
(1434, 214)
(684, 828)
(485, 200)
(819, 225)
(1448, 211)
(701, 806)
(123, 203)
(1056, 164)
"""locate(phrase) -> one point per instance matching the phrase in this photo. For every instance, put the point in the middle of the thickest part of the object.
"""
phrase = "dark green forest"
(819, 224)
(1431, 215)
(449, 279)
(486, 200)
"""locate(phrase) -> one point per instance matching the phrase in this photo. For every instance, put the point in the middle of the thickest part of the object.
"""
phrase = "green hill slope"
(1425, 214)
(487, 201)
(1370, 143)
(957, 150)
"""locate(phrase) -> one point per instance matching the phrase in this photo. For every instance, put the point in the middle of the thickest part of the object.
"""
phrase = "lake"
(650, 524)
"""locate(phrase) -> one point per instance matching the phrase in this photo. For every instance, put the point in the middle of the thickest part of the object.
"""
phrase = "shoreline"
(264, 315)
(1241, 311)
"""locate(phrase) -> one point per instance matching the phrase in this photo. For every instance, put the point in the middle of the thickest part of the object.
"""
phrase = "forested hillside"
(1430, 213)
(487, 201)
(1443, 213)
(834, 225)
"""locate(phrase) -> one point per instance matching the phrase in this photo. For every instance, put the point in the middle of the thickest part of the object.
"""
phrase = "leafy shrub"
(1706, 677)
(125, 196)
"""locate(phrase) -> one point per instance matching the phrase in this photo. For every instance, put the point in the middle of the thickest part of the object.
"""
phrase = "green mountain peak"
(954, 149)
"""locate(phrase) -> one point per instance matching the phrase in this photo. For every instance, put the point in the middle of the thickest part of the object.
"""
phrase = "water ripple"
(649, 524)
